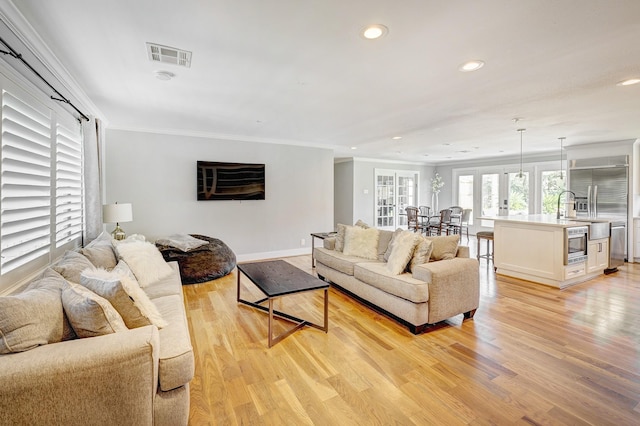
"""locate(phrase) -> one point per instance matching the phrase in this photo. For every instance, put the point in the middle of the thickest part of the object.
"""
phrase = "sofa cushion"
(101, 255)
(402, 285)
(89, 314)
(361, 242)
(125, 295)
(338, 261)
(166, 286)
(444, 247)
(176, 365)
(30, 319)
(71, 266)
(145, 261)
(402, 250)
(342, 228)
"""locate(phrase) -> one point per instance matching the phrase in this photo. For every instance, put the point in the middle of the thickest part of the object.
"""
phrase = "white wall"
(157, 174)
(343, 193)
(363, 180)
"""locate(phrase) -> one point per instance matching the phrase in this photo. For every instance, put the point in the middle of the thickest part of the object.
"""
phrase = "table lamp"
(116, 213)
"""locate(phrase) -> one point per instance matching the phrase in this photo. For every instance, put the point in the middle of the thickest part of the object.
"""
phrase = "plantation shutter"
(25, 180)
(68, 183)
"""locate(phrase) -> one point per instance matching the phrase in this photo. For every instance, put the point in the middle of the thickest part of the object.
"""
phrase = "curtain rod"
(61, 98)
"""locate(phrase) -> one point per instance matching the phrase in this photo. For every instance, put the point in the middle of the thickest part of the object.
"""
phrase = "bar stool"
(485, 235)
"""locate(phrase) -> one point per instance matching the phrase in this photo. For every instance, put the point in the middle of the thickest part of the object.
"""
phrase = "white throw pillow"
(402, 250)
(125, 295)
(361, 242)
(182, 242)
(145, 261)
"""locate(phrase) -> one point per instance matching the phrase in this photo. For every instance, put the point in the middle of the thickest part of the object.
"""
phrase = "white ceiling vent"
(168, 55)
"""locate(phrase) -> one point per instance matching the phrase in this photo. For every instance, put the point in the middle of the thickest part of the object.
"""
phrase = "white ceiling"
(297, 71)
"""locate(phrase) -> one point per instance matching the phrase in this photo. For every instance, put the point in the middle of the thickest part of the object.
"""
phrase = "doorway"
(395, 190)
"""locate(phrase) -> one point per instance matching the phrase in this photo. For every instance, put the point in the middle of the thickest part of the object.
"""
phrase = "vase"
(434, 203)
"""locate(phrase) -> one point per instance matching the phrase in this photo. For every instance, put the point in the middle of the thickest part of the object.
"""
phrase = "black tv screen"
(230, 181)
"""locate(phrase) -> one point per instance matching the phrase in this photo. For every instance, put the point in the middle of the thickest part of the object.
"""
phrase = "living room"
(321, 149)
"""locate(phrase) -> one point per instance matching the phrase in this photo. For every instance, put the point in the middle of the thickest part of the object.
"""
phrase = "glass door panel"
(518, 195)
(552, 183)
(465, 194)
(385, 200)
(490, 195)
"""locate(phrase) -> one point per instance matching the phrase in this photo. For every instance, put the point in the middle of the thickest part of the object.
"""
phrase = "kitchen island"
(534, 248)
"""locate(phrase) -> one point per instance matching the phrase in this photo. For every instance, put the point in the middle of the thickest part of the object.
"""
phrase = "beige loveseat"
(135, 376)
(420, 299)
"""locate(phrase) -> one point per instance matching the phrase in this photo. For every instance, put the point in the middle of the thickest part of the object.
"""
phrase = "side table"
(322, 236)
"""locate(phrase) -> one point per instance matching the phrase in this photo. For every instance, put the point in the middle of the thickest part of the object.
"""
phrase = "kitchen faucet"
(560, 196)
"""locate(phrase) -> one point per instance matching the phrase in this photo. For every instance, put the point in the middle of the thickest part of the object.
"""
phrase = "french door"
(395, 190)
(504, 192)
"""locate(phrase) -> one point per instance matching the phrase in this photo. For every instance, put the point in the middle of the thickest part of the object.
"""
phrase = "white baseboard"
(272, 254)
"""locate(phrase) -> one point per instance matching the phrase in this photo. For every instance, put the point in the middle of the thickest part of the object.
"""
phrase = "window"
(68, 184)
(26, 182)
(40, 182)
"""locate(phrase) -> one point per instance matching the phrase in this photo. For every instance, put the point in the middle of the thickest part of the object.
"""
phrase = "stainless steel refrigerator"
(601, 189)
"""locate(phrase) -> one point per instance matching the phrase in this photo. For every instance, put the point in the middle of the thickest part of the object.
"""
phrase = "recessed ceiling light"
(629, 82)
(164, 75)
(374, 31)
(471, 66)
(396, 138)
(354, 147)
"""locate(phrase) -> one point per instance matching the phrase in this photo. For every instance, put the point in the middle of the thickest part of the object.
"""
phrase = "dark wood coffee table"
(278, 278)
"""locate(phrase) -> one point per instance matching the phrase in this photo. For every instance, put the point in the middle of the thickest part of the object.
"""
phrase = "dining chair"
(425, 216)
(413, 219)
(443, 224)
(464, 222)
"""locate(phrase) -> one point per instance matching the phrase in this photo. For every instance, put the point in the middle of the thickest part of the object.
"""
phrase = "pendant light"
(521, 175)
(561, 143)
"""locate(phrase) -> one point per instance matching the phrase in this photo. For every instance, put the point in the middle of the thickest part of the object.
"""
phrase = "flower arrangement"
(436, 183)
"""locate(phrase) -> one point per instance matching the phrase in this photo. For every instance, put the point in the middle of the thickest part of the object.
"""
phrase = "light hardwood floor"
(531, 355)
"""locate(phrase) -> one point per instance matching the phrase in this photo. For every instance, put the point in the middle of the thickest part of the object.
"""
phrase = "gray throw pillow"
(30, 319)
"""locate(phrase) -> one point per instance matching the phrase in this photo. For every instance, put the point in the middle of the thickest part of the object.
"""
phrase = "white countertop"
(543, 220)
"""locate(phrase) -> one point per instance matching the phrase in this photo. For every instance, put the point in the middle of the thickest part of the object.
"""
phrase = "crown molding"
(29, 37)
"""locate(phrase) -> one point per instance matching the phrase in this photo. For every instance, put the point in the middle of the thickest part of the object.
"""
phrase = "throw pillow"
(444, 247)
(71, 266)
(101, 240)
(53, 280)
(402, 251)
(388, 252)
(361, 224)
(125, 295)
(182, 242)
(89, 314)
(361, 242)
(422, 253)
(100, 255)
(145, 261)
(30, 319)
(340, 237)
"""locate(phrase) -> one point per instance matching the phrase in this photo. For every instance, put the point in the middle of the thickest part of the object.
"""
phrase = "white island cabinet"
(533, 247)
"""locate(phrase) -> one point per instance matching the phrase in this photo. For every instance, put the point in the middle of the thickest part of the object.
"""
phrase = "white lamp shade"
(114, 213)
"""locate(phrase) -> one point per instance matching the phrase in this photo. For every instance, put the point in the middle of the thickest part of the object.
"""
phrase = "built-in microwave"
(575, 244)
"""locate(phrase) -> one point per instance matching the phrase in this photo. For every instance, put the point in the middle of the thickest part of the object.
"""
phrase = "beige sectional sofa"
(421, 298)
(134, 376)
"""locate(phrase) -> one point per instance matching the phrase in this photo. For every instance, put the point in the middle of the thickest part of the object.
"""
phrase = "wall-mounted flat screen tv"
(230, 181)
